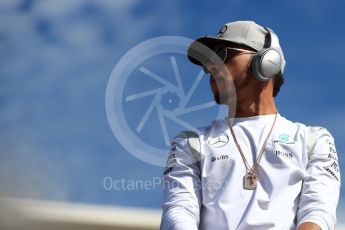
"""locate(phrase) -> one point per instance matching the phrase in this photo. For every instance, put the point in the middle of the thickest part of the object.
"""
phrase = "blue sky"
(56, 58)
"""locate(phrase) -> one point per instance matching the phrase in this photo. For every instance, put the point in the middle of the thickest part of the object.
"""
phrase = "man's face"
(228, 70)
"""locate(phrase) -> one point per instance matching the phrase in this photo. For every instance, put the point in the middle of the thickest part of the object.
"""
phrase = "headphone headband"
(272, 39)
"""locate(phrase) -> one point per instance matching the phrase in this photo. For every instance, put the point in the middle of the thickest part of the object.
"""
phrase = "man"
(255, 169)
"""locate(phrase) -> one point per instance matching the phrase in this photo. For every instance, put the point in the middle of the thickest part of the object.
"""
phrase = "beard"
(216, 97)
(220, 98)
(222, 94)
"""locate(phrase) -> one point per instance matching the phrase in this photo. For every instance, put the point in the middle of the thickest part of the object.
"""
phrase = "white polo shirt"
(298, 177)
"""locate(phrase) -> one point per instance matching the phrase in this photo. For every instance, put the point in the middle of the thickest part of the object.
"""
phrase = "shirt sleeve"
(321, 186)
(181, 188)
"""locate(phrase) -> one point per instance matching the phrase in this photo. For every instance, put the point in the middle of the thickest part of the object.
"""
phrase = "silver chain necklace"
(250, 178)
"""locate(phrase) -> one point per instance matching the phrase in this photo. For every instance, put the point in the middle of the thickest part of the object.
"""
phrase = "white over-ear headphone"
(268, 62)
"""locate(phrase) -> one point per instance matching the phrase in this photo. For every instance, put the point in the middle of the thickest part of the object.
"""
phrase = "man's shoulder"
(294, 126)
(299, 125)
(312, 133)
(288, 122)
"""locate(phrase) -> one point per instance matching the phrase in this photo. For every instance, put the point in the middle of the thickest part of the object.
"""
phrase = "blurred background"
(56, 58)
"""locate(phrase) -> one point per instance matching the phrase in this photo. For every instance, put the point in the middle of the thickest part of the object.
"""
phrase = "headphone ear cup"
(254, 65)
(266, 64)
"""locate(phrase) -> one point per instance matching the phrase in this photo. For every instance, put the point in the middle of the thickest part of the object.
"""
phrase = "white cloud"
(9, 4)
(55, 88)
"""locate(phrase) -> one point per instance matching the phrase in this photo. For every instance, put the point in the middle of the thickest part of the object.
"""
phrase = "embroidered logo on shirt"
(332, 151)
(171, 161)
(222, 157)
(286, 155)
(284, 138)
(330, 142)
(333, 170)
(218, 141)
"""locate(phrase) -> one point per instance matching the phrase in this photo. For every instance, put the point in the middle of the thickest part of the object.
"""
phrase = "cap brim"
(201, 48)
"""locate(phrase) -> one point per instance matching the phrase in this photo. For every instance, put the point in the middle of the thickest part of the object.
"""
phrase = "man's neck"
(254, 106)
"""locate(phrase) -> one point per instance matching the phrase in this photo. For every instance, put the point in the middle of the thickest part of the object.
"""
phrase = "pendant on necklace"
(249, 181)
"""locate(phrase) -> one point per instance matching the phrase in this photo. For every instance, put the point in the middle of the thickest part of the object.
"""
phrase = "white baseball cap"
(246, 33)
